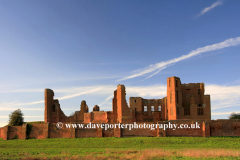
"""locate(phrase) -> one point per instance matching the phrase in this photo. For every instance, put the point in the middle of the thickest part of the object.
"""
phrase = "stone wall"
(188, 132)
(2, 132)
(53, 112)
(96, 117)
(224, 127)
(38, 131)
(49, 130)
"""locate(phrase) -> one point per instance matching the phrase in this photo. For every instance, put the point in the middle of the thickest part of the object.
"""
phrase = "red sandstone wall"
(192, 96)
(2, 132)
(173, 93)
(208, 128)
(87, 117)
(136, 104)
(124, 113)
(96, 117)
(139, 116)
(156, 116)
(54, 114)
(180, 98)
(110, 116)
(225, 128)
(60, 133)
(207, 108)
(164, 111)
(15, 130)
(37, 131)
(185, 132)
(193, 90)
(108, 133)
(147, 117)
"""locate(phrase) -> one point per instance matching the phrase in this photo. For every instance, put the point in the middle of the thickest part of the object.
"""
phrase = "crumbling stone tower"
(187, 101)
(174, 100)
(54, 114)
(124, 114)
(49, 105)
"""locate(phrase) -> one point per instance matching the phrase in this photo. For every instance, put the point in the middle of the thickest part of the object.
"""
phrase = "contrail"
(162, 65)
(205, 10)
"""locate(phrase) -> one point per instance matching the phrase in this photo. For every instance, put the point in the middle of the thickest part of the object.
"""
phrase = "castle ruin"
(183, 104)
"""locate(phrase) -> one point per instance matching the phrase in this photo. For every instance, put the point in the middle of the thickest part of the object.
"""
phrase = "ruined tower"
(174, 98)
(49, 105)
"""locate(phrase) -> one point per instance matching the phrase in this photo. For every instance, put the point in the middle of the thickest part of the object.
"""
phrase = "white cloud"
(164, 64)
(157, 72)
(22, 90)
(225, 113)
(205, 10)
(148, 92)
(11, 104)
(223, 96)
(7, 106)
(106, 100)
(81, 93)
(3, 124)
(23, 116)
(28, 109)
(25, 109)
(154, 91)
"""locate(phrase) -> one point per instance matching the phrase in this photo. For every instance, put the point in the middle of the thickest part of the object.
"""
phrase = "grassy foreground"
(123, 148)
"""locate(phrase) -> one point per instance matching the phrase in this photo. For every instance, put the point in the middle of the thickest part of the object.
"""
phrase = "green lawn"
(118, 148)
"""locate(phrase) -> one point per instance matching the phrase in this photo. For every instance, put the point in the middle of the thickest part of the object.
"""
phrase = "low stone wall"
(2, 132)
(13, 132)
(224, 127)
(38, 131)
(49, 130)
(197, 128)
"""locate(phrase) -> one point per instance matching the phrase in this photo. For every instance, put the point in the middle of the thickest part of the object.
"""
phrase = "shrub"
(16, 118)
(234, 116)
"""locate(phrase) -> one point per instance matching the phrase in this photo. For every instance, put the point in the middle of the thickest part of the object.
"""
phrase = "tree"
(234, 116)
(72, 114)
(16, 118)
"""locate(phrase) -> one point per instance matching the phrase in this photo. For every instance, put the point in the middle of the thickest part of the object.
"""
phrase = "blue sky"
(83, 49)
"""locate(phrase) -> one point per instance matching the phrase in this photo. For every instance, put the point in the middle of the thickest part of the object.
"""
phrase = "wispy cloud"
(22, 90)
(223, 96)
(205, 10)
(81, 93)
(8, 106)
(7, 88)
(225, 113)
(4, 105)
(148, 92)
(164, 64)
(157, 72)
(106, 100)
(153, 91)
(29, 109)
(23, 116)
(24, 109)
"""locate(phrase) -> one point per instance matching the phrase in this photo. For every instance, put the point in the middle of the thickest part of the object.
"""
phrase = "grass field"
(122, 148)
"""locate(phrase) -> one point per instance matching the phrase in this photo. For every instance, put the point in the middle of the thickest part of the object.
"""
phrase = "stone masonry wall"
(49, 130)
